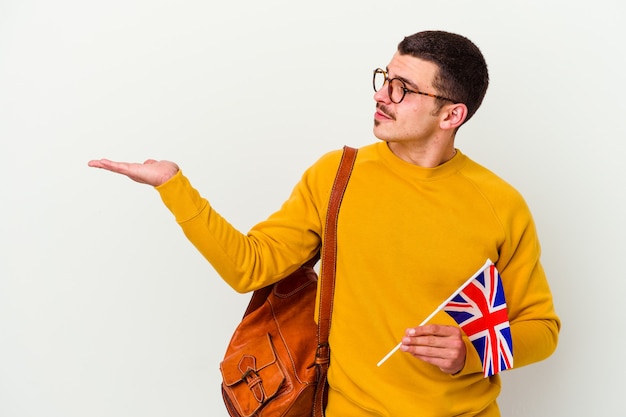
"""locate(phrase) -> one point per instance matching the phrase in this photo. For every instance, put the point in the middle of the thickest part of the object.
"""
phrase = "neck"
(426, 157)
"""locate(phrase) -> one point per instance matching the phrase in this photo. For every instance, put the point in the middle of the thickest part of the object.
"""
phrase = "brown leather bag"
(277, 359)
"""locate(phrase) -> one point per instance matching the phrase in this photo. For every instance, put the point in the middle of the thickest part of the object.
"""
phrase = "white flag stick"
(438, 309)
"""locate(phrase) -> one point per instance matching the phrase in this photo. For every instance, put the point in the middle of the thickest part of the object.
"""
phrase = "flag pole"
(438, 309)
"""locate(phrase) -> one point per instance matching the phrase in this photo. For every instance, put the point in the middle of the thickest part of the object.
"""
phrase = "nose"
(382, 95)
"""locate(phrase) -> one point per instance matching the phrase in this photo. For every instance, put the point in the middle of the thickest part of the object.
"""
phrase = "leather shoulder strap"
(327, 276)
(329, 245)
(341, 181)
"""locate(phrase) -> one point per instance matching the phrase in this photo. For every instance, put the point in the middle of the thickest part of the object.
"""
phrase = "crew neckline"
(449, 167)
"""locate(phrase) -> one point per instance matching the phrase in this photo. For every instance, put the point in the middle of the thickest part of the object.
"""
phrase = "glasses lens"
(396, 90)
(379, 79)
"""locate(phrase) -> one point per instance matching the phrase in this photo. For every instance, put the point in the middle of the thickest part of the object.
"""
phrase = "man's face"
(414, 118)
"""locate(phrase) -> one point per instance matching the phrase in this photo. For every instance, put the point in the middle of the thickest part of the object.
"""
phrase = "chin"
(380, 135)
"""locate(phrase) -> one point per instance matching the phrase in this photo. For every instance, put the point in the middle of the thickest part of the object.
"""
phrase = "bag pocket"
(252, 376)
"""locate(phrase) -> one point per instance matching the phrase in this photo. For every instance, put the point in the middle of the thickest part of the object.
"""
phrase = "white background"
(107, 310)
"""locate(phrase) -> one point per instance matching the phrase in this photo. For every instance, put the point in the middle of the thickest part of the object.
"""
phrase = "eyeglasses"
(397, 88)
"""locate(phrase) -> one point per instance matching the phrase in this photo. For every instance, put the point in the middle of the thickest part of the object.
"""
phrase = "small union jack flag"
(480, 310)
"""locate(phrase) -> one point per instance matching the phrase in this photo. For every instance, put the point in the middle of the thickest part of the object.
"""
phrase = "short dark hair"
(462, 74)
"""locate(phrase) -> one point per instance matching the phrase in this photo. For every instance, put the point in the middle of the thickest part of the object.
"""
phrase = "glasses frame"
(404, 88)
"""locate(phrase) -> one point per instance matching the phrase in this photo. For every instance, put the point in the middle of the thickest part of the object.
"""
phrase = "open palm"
(150, 172)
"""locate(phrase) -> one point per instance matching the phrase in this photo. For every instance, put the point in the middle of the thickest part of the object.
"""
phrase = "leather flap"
(252, 375)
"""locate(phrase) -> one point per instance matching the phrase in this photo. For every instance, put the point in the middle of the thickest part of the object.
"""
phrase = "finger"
(435, 342)
(123, 168)
(432, 329)
(101, 163)
(427, 352)
(438, 337)
(96, 163)
(449, 359)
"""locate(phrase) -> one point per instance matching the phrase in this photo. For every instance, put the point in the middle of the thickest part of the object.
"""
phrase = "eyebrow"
(404, 80)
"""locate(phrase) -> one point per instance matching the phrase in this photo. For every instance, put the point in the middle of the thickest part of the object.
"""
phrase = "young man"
(418, 218)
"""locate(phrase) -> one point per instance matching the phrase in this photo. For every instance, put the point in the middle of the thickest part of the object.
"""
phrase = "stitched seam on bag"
(294, 291)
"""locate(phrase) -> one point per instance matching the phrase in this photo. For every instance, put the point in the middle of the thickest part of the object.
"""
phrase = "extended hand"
(150, 172)
(438, 345)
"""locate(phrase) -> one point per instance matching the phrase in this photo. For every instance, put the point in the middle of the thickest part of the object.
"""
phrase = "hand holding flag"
(479, 307)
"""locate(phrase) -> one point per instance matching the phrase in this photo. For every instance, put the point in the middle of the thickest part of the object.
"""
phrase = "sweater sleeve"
(534, 323)
(270, 250)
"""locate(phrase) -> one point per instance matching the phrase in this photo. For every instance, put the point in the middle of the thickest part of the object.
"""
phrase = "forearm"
(534, 340)
(245, 262)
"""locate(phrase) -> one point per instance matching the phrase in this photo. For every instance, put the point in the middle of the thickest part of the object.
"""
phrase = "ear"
(453, 116)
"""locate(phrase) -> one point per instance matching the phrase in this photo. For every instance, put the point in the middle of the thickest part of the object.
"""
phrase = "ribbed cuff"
(181, 198)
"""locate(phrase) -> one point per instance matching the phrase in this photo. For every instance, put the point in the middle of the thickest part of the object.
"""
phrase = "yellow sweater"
(407, 238)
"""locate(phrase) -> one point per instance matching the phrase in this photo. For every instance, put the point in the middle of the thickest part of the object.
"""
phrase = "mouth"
(382, 114)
